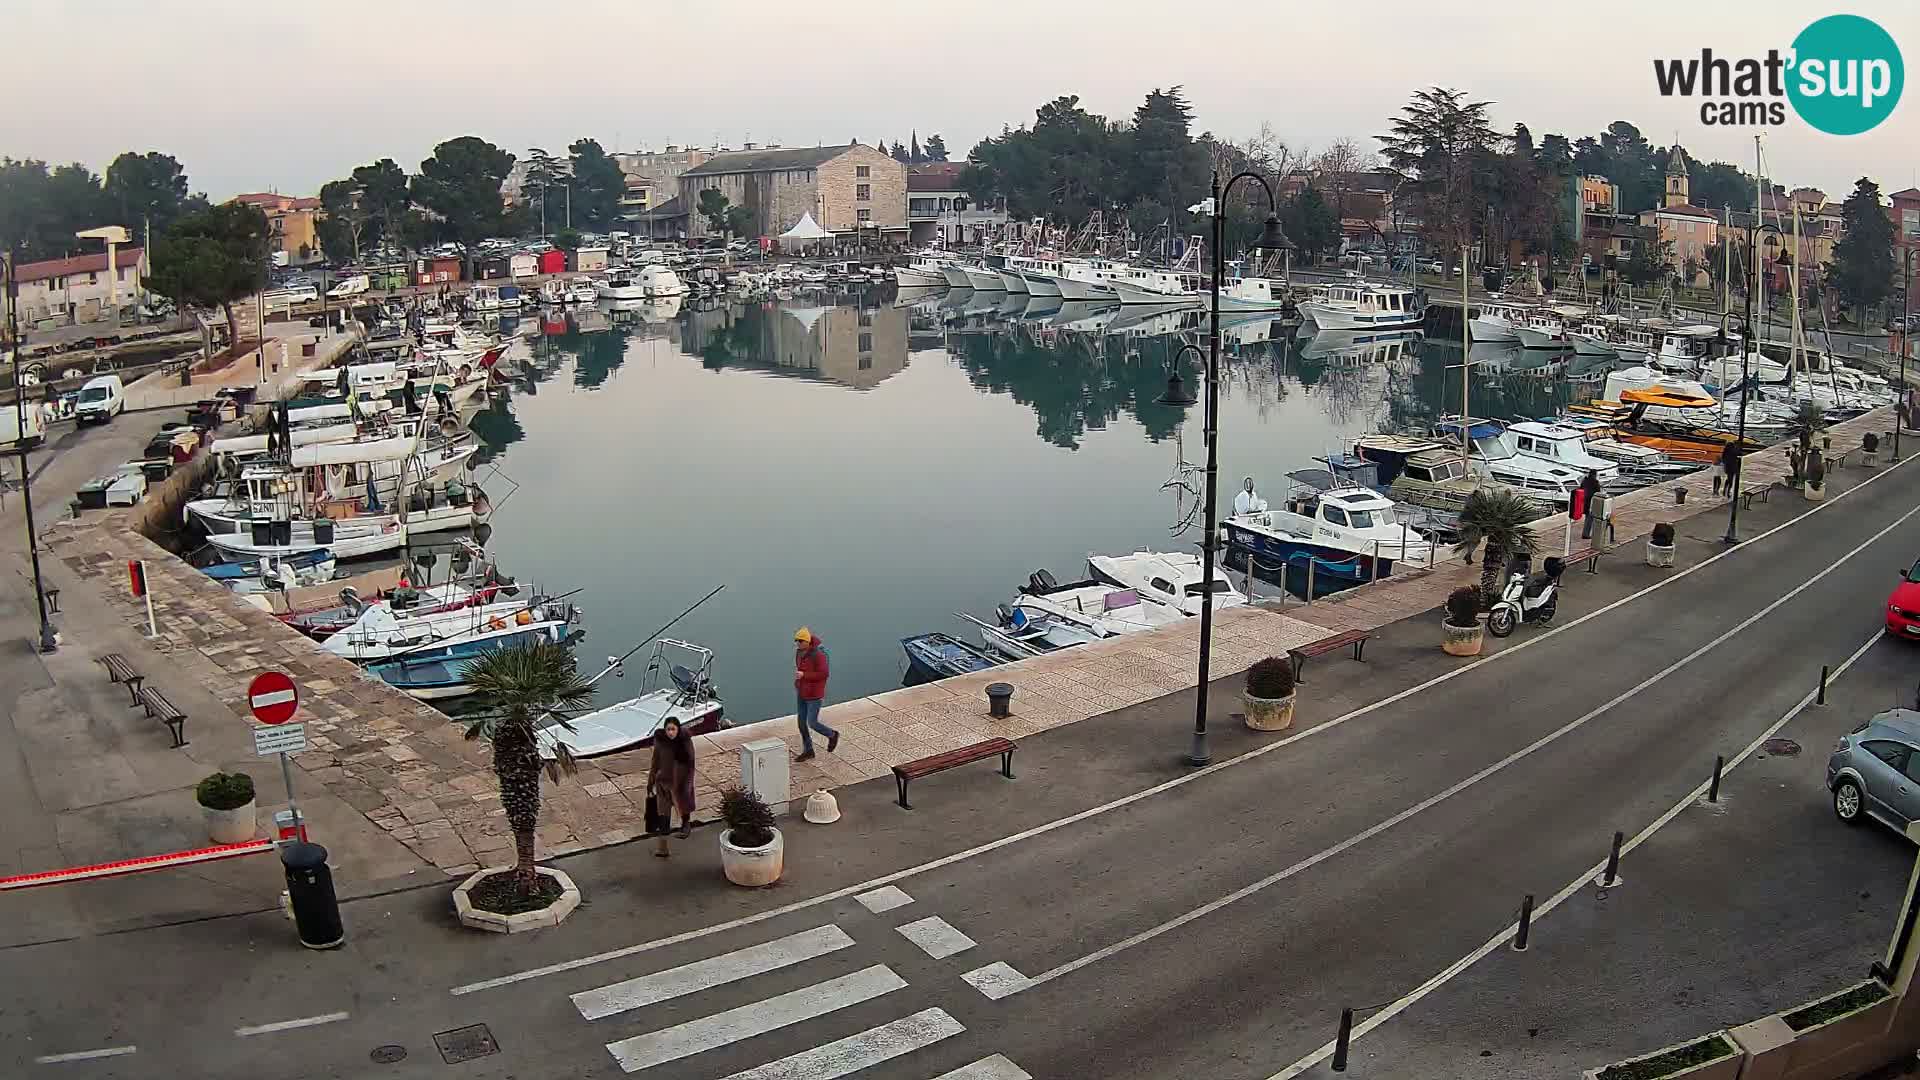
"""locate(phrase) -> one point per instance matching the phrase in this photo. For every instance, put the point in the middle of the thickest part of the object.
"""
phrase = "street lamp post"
(1906, 331)
(1271, 239)
(47, 642)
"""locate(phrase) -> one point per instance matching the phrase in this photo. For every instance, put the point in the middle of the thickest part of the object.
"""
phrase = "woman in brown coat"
(670, 780)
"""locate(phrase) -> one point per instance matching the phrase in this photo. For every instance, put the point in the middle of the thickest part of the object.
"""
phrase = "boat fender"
(496, 623)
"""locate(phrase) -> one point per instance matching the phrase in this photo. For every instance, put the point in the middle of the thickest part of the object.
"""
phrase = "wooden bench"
(1356, 638)
(1749, 495)
(159, 708)
(927, 766)
(119, 671)
(1589, 555)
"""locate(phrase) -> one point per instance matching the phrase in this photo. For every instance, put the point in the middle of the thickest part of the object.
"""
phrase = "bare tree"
(1337, 171)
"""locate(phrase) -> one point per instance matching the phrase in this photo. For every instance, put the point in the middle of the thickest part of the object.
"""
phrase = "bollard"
(316, 911)
(1310, 561)
(1713, 790)
(1376, 560)
(1526, 924)
(1613, 863)
(1679, 495)
(1341, 1040)
(1820, 698)
(999, 700)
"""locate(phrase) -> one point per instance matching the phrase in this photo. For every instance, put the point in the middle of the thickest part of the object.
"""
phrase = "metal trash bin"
(316, 911)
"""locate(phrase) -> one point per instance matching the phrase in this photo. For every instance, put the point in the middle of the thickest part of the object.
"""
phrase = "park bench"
(1356, 638)
(119, 671)
(1762, 493)
(952, 759)
(1588, 554)
(159, 708)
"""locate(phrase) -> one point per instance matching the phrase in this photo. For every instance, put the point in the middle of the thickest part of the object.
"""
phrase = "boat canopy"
(1666, 396)
(257, 444)
(1477, 429)
(396, 449)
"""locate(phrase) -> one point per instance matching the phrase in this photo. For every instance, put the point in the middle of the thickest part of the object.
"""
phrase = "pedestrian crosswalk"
(896, 1041)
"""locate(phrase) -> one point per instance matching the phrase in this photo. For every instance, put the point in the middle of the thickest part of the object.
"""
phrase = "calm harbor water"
(866, 466)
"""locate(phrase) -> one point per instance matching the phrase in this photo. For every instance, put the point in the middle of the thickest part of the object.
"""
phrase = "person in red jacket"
(810, 684)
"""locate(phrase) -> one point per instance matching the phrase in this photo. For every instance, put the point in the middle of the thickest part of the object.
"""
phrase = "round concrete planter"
(1269, 714)
(1815, 492)
(235, 826)
(551, 915)
(1462, 640)
(1869, 459)
(753, 867)
(1659, 554)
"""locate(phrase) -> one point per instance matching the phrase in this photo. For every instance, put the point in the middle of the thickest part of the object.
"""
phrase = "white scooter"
(1526, 598)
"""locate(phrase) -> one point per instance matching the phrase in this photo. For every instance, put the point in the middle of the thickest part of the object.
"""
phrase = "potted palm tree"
(1462, 623)
(1816, 474)
(1660, 545)
(752, 851)
(1806, 422)
(525, 683)
(1498, 518)
(1269, 695)
(227, 801)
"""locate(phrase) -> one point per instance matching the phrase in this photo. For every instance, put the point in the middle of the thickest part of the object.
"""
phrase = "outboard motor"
(1042, 581)
(350, 600)
(1005, 613)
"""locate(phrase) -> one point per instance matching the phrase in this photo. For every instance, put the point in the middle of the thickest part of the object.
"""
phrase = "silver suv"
(1875, 771)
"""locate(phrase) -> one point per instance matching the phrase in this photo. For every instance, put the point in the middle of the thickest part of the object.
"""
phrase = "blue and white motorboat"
(931, 657)
(299, 560)
(688, 697)
(1355, 533)
(439, 672)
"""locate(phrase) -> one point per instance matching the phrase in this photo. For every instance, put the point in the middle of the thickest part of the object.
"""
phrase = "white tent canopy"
(806, 229)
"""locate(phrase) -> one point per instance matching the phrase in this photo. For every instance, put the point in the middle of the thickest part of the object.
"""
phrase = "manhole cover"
(387, 1055)
(1781, 747)
(465, 1044)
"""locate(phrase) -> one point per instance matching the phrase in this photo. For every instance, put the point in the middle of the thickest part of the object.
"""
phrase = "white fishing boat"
(658, 282)
(956, 274)
(1725, 373)
(1593, 337)
(1255, 294)
(1562, 445)
(1363, 305)
(1493, 455)
(381, 631)
(1036, 274)
(356, 538)
(1174, 579)
(438, 671)
(623, 284)
(342, 480)
(1141, 285)
(928, 270)
(1089, 279)
(1348, 529)
(686, 696)
(581, 291)
(1541, 329)
(553, 292)
(1497, 321)
(1684, 348)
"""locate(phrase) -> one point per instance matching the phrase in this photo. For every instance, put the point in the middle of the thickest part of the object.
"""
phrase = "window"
(866, 318)
(1336, 516)
(1910, 223)
(1892, 753)
(947, 204)
(1161, 585)
(866, 343)
(863, 171)
(863, 192)
(865, 215)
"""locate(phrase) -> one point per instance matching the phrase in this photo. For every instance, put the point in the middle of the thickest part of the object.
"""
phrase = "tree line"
(41, 207)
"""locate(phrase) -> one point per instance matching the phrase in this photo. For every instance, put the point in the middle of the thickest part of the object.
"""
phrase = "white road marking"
(996, 980)
(1164, 786)
(758, 1018)
(996, 1067)
(713, 971)
(936, 937)
(85, 1055)
(1433, 800)
(884, 899)
(1579, 882)
(856, 1052)
(289, 1025)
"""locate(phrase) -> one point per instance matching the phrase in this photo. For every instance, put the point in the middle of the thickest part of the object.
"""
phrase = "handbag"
(657, 821)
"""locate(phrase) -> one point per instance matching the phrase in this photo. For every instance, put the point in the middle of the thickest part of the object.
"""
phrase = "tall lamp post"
(1749, 343)
(1906, 336)
(12, 293)
(1271, 239)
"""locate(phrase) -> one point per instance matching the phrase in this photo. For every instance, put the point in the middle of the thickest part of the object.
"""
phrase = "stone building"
(1689, 229)
(853, 191)
(941, 211)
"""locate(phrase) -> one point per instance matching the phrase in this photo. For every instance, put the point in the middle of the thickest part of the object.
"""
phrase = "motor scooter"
(1526, 599)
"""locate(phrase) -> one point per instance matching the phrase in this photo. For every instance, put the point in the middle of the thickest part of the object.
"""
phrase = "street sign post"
(274, 699)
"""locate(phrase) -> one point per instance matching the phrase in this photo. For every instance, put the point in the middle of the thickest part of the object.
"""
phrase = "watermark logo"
(1843, 76)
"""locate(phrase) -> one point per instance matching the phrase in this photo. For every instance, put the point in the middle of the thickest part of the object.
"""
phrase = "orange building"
(290, 226)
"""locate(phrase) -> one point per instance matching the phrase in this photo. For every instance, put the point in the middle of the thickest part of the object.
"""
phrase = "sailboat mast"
(1466, 366)
(1726, 267)
(1753, 249)
(1799, 356)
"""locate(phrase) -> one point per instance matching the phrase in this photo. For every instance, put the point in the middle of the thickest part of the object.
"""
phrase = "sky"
(284, 97)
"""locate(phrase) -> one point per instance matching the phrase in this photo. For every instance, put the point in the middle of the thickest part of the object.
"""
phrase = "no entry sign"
(273, 697)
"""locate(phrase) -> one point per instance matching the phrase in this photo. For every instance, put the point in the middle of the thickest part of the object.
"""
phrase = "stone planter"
(1869, 459)
(1269, 714)
(753, 867)
(1842, 1045)
(235, 826)
(1815, 492)
(1462, 640)
(1659, 555)
(551, 915)
(1725, 1067)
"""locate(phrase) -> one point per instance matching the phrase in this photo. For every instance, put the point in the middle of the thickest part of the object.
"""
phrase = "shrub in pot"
(1660, 545)
(1269, 695)
(1464, 634)
(1869, 450)
(752, 851)
(1816, 471)
(227, 801)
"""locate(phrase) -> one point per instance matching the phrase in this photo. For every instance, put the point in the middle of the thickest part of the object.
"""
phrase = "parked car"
(1903, 605)
(101, 399)
(1872, 771)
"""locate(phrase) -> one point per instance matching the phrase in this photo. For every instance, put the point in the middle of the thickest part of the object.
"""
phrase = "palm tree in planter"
(525, 683)
(1807, 421)
(1498, 518)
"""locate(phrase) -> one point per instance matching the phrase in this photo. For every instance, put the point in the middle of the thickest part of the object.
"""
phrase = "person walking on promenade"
(1588, 488)
(810, 685)
(670, 781)
(1730, 465)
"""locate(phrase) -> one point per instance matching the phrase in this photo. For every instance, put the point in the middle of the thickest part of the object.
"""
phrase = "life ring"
(449, 426)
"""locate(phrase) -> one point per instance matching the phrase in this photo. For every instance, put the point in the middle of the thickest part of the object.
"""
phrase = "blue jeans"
(810, 718)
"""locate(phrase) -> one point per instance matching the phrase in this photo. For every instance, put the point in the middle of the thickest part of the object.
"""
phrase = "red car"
(1903, 607)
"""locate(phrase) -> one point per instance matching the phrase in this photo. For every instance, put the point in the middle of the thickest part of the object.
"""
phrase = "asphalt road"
(1213, 926)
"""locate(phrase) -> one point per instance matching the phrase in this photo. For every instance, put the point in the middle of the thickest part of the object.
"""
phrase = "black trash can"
(999, 700)
(316, 912)
(323, 531)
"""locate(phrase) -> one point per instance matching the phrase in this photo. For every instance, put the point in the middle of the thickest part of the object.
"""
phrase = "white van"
(101, 399)
(352, 286)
